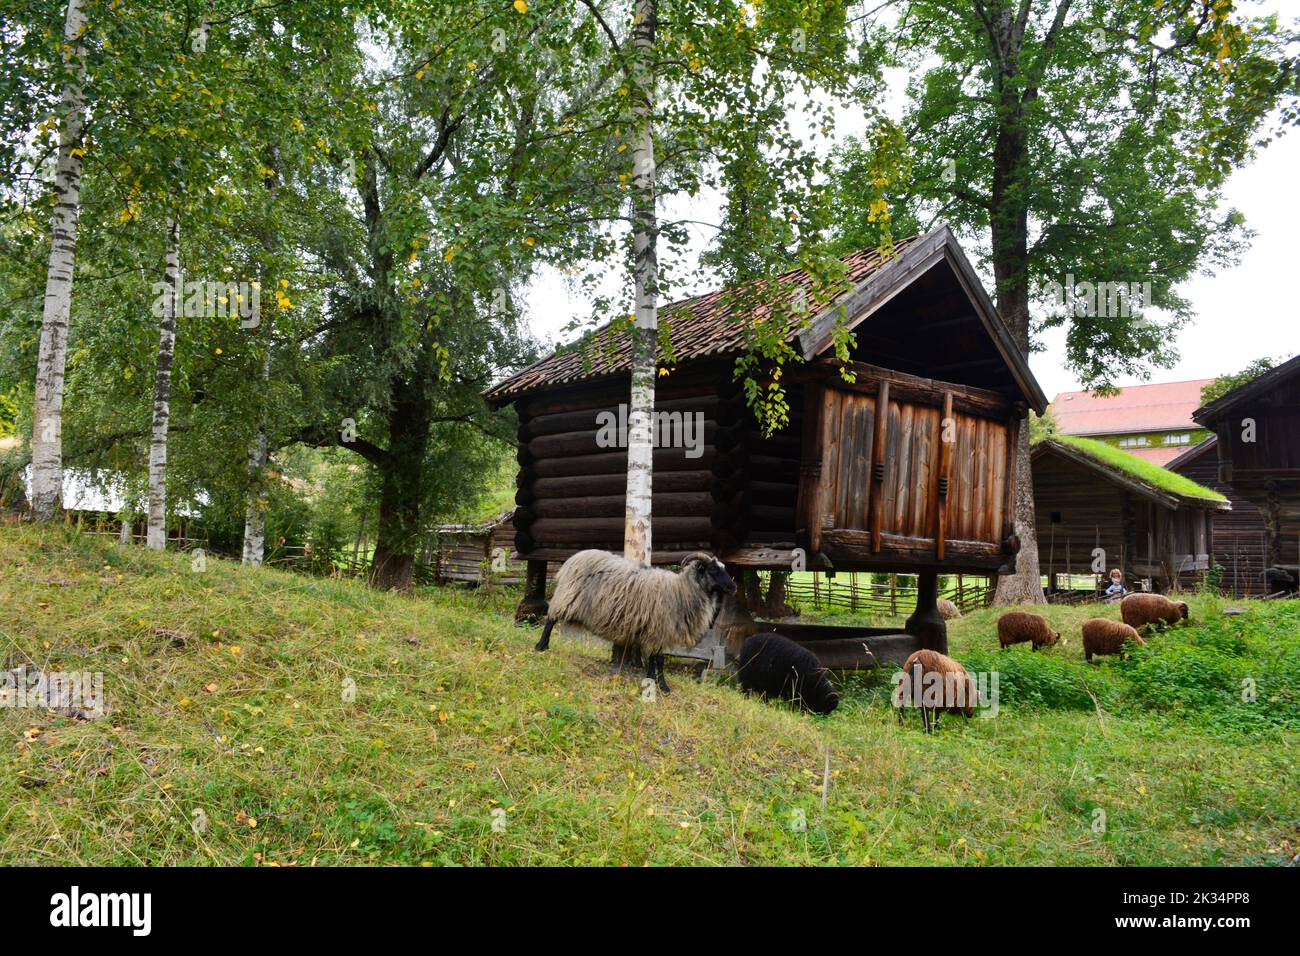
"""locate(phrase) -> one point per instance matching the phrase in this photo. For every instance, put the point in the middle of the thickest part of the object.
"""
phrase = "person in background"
(1116, 590)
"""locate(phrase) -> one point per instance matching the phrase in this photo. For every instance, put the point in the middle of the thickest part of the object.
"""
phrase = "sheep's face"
(709, 573)
(1183, 611)
(1052, 638)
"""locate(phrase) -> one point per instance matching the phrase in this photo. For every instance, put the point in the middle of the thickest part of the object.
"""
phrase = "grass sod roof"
(1137, 469)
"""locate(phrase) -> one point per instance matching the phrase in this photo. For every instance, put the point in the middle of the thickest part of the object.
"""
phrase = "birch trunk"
(47, 418)
(640, 438)
(255, 507)
(156, 536)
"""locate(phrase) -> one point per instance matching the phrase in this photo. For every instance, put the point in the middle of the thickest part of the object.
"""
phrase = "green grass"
(1139, 468)
(227, 709)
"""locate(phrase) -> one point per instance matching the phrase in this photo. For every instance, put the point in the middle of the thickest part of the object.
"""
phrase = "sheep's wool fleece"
(1104, 636)
(626, 603)
(932, 662)
(1015, 627)
(1138, 610)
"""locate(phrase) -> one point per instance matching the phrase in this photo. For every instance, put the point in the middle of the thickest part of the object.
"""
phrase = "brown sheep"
(1141, 610)
(947, 610)
(1016, 627)
(1104, 636)
(935, 683)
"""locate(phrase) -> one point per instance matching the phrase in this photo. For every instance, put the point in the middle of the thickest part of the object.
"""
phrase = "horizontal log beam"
(550, 530)
(563, 554)
(912, 389)
(613, 484)
(667, 504)
(567, 444)
(610, 463)
(586, 419)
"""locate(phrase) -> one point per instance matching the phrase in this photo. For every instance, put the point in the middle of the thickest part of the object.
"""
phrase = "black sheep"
(774, 666)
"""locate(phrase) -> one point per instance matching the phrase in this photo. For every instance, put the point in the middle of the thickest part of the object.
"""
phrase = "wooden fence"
(858, 592)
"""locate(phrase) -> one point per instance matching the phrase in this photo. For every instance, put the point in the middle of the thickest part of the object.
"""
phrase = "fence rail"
(857, 592)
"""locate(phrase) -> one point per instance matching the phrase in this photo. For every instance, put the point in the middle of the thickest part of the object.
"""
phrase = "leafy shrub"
(1035, 680)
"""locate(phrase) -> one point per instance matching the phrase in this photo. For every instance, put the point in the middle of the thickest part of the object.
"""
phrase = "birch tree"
(47, 419)
(716, 86)
(637, 541)
(156, 535)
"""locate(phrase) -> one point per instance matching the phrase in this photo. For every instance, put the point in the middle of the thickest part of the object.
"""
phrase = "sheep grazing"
(775, 667)
(947, 610)
(1016, 627)
(635, 608)
(935, 683)
(1103, 636)
(1141, 610)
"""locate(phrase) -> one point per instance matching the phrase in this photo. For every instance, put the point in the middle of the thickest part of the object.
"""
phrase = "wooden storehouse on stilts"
(1258, 430)
(1098, 508)
(909, 466)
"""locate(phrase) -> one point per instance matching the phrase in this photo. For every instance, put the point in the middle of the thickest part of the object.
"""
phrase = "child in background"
(1116, 589)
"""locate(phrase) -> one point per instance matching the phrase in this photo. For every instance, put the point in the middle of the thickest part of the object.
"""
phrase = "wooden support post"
(878, 458)
(947, 427)
(734, 623)
(533, 607)
(808, 503)
(926, 623)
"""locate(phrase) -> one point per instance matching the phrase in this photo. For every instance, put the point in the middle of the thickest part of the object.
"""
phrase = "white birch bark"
(640, 437)
(47, 418)
(255, 501)
(156, 535)
(255, 507)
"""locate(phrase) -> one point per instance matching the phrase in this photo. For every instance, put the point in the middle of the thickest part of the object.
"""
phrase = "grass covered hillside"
(256, 717)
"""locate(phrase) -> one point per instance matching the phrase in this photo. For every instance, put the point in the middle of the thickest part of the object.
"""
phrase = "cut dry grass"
(234, 737)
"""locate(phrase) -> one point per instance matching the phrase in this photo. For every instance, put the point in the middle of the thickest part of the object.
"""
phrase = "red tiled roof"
(700, 327)
(1158, 456)
(1138, 408)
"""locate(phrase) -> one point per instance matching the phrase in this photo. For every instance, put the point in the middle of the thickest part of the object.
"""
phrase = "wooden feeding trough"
(909, 466)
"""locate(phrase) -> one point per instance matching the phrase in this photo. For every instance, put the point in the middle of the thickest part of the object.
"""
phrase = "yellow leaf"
(521, 6)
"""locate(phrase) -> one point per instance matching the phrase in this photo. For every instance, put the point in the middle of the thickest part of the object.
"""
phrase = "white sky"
(1241, 314)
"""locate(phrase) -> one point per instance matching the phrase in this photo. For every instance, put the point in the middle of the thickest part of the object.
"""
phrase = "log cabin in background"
(1258, 430)
(477, 553)
(841, 487)
(1146, 520)
(1240, 544)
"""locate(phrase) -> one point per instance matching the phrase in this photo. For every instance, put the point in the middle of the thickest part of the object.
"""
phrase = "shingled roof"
(706, 326)
(701, 327)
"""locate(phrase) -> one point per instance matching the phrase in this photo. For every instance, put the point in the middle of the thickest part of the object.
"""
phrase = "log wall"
(572, 480)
